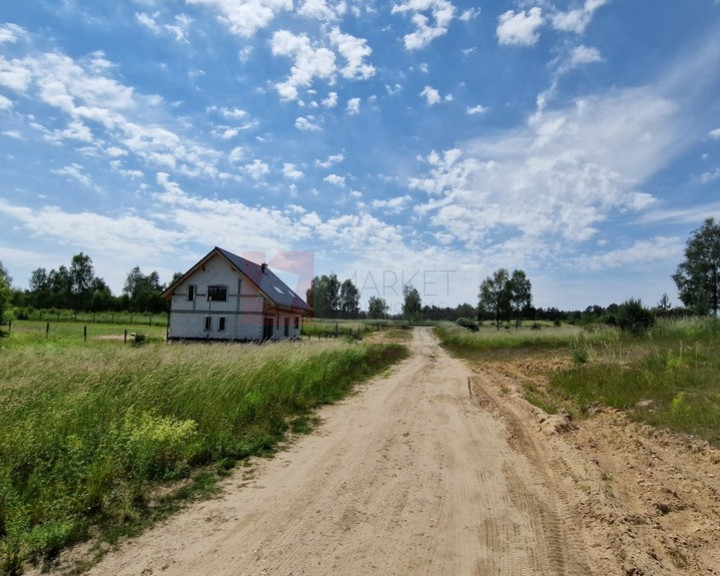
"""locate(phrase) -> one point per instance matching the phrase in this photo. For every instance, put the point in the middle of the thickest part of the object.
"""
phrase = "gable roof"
(272, 287)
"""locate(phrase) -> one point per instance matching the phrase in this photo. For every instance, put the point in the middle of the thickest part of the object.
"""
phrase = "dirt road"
(434, 469)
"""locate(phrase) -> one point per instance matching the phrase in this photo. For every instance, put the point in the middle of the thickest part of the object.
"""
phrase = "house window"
(208, 323)
(191, 292)
(217, 293)
(221, 324)
(296, 324)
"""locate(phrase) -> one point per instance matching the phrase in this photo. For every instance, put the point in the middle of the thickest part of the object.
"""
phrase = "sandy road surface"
(413, 475)
(440, 468)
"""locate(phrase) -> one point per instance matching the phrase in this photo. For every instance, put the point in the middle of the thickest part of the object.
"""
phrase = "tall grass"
(490, 343)
(87, 431)
(668, 378)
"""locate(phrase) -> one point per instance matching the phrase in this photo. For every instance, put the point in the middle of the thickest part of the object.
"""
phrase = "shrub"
(631, 316)
(467, 323)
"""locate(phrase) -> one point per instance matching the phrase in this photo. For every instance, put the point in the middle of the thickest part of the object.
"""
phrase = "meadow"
(91, 427)
(667, 377)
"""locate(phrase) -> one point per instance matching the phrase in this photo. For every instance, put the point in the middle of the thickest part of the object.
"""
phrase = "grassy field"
(668, 377)
(90, 429)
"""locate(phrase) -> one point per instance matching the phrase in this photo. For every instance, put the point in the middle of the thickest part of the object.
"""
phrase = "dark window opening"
(208, 323)
(217, 293)
(191, 292)
(221, 324)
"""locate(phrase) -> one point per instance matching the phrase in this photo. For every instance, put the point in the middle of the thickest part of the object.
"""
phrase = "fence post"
(85, 333)
(47, 329)
(125, 336)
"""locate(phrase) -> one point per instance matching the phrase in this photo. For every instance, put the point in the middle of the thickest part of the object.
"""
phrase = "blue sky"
(421, 141)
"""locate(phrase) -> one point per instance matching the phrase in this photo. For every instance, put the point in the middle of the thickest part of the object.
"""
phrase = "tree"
(377, 308)
(82, 275)
(324, 296)
(349, 299)
(5, 274)
(698, 276)
(60, 286)
(520, 294)
(503, 296)
(6, 294)
(495, 296)
(412, 303)
(143, 291)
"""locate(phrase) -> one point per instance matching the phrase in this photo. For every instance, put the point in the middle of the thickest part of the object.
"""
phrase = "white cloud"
(11, 33)
(479, 109)
(393, 205)
(714, 134)
(353, 106)
(309, 62)
(708, 177)
(427, 28)
(291, 172)
(554, 182)
(246, 17)
(5, 103)
(331, 161)
(335, 180)
(354, 51)
(520, 28)
(470, 14)
(641, 253)
(75, 172)
(331, 100)
(432, 96)
(582, 55)
(307, 123)
(576, 20)
(257, 169)
(319, 10)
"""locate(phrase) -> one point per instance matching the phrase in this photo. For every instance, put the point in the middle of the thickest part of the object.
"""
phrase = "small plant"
(580, 355)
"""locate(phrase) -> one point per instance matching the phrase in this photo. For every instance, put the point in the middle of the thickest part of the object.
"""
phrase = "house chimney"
(263, 267)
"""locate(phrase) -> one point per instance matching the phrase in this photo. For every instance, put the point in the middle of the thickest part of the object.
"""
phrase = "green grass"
(668, 378)
(488, 343)
(88, 430)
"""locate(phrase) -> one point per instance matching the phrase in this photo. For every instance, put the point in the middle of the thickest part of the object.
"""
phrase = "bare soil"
(441, 468)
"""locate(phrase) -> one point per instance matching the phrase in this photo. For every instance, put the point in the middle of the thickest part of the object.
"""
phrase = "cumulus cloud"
(11, 33)
(554, 182)
(576, 20)
(307, 123)
(178, 29)
(432, 96)
(354, 51)
(5, 103)
(393, 205)
(520, 28)
(714, 134)
(479, 109)
(431, 19)
(353, 106)
(309, 62)
(291, 172)
(335, 180)
(246, 17)
(332, 160)
(582, 55)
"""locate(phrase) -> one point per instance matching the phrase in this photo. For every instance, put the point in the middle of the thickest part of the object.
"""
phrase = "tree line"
(77, 287)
